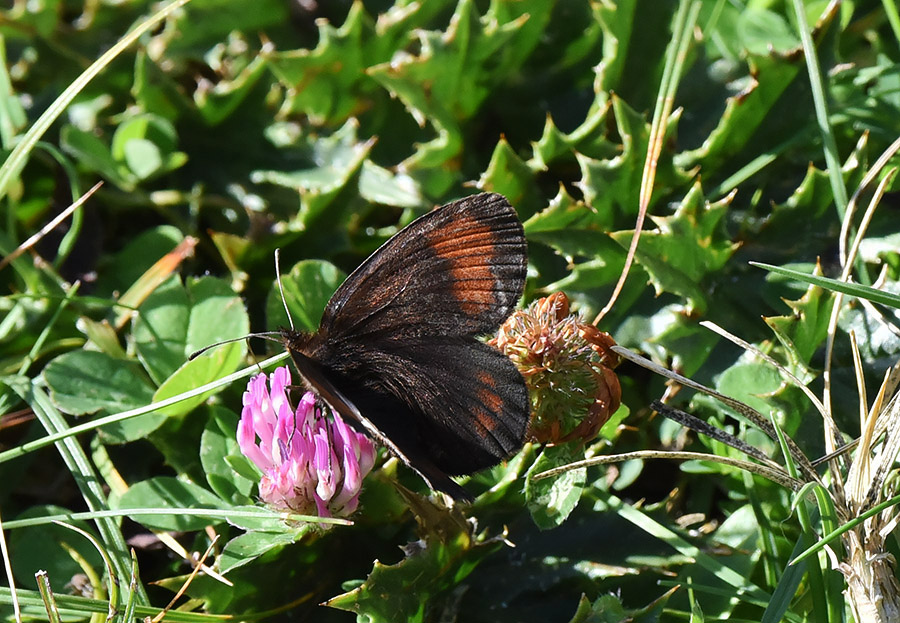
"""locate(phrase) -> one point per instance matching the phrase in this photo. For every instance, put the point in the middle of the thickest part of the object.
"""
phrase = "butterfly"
(397, 350)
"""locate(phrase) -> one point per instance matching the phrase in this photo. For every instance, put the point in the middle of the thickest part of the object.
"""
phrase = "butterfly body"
(397, 350)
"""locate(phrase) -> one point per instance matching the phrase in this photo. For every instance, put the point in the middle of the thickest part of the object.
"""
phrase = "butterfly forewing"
(458, 270)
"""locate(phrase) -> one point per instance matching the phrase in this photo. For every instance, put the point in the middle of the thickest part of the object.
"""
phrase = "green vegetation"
(223, 130)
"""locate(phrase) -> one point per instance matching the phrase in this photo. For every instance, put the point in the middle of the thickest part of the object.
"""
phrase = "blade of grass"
(50, 607)
(730, 577)
(832, 158)
(79, 607)
(746, 411)
(682, 34)
(890, 9)
(113, 585)
(850, 289)
(837, 532)
(775, 475)
(16, 384)
(7, 566)
(85, 478)
(212, 513)
(19, 156)
(816, 580)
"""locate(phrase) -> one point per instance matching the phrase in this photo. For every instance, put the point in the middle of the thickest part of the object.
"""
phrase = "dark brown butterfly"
(397, 351)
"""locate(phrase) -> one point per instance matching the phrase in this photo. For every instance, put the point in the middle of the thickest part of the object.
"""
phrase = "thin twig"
(777, 476)
(46, 229)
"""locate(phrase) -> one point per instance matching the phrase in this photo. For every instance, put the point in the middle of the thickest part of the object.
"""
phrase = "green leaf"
(41, 547)
(307, 290)
(160, 329)
(170, 493)
(216, 104)
(762, 32)
(758, 119)
(249, 546)
(573, 229)
(611, 184)
(554, 143)
(210, 366)
(379, 185)
(146, 144)
(551, 500)
(328, 82)
(175, 321)
(403, 591)
(804, 331)
(450, 77)
(83, 382)
(670, 334)
(217, 443)
(617, 23)
(143, 158)
(753, 384)
(511, 176)
(606, 609)
(94, 154)
(685, 248)
(337, 160)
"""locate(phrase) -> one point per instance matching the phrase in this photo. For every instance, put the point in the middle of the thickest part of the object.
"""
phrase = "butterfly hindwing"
(444, 406)
(458, 270)
(320, 382)
(471, 402)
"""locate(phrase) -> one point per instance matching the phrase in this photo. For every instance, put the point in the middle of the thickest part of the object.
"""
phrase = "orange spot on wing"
(490, 399)
(469, 255)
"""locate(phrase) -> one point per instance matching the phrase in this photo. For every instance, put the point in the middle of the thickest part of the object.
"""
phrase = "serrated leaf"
(379, 185)
(511, 176)
(217, 103)
(685, 248)
(804, 331)
(617, 23)
(605, 609)
(453, 73)
(775, 82)
(573, 229)
(401, 592)
(589, 138)
(337, 159)
(327, 83)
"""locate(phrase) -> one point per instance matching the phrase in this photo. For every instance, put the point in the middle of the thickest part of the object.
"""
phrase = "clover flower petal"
(310, 462)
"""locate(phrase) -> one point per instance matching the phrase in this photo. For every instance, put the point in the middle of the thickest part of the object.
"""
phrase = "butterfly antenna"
(266, 335)
(281, 287)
